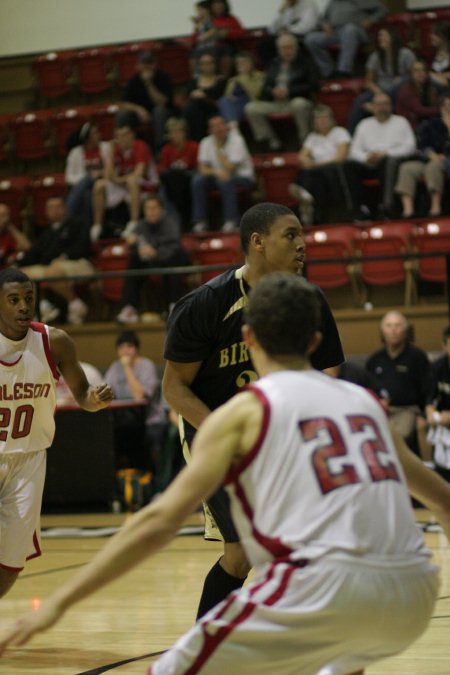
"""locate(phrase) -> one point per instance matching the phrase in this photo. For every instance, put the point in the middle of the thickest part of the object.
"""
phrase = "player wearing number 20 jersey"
(27, 393)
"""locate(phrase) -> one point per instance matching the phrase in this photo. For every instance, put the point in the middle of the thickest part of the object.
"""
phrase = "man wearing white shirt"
(224, 162)
(379, 146)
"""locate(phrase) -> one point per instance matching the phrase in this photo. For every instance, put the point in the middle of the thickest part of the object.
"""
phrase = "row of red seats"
(97, 69)
(35, 135)
(26, 195)
(382, 243)
(370, 256)
(32, 136)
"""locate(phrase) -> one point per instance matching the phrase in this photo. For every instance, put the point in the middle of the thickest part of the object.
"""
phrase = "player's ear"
(256, 240)
(248, 335)
(316, 339)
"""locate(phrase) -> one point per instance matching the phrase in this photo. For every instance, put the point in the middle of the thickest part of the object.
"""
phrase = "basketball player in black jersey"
(207, 361)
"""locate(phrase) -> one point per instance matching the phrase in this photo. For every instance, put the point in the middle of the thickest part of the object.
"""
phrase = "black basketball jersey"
(205, 326)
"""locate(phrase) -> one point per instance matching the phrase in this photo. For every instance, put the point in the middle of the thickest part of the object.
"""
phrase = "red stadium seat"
(52, 73)
(111, 258)
(125, 59)
(41, 189)
(30, 133)
(332, 243)
(215, 250)
(13, 193)
(93, 68)
(276, 172)
(432, 238)
(105, 117)
(173, 57)
(339, 96)
(402, 22)
(64, 123)
(387, 240)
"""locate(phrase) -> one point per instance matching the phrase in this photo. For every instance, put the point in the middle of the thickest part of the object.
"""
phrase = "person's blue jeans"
(348, 37)
(79, 200)
(232, 107)
(200, 187)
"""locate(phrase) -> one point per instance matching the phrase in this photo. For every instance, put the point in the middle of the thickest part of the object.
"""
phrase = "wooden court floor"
(119, 628)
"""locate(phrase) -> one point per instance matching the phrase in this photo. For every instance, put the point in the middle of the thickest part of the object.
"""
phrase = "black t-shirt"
(136, 91)
(205, 326)
(406, 377)
(439, 391)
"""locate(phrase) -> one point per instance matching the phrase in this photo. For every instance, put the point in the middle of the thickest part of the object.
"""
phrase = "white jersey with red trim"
(27, 392)
(323, 477)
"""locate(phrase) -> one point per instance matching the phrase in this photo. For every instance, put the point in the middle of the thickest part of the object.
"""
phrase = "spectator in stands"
(148, 93)
(438, 410)
(85, 164)
(417, 99)
(12, 240)
(440, 65)
(224, 163)
(138, 430)
(155, 241)
(245, 86)
(227, 28)
(403, 371)
(288, 88)
(298, 17)
(386, 68)
(63, 249)
(204, 37)
(433, 164)
(177, 163)
(345, 23)
(203, 92)
(380, 144)
(320, 182)
(129, 171)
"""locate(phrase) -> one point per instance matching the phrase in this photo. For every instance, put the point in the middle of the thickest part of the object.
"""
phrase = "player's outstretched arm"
(425, 485)
(226, 435)
(64, 353)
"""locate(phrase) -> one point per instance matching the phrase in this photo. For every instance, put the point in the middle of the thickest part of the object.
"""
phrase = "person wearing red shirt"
(177, 162)
(129, 171)
(228, 28)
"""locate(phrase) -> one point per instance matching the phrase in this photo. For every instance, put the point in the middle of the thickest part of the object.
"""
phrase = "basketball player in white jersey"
(319, 498)
(32, 356)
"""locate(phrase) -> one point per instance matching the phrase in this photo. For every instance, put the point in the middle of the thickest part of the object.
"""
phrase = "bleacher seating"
(339, 96)
(93, 70)
(41, 189)
(277, 171)
(14, 193)
(30, 133)
(432, 237)
(52, 71)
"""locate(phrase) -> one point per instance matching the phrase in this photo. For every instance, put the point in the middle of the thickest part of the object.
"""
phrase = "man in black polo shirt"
(207, 361)
(148, 93)
(403, 371)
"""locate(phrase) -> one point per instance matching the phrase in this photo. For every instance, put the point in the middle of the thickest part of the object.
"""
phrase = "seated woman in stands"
(386, 68)
(440, 65)
(84, 165)
(417, 99)
(203, 92)
(320, 181)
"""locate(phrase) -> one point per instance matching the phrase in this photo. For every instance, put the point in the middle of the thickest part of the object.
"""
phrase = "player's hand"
(24, 628)
(103, 395)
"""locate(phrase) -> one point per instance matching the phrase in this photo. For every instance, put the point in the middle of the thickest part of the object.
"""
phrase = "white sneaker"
(199, 227)
(299, 193)
(230, 226)
(128, 315)
(47, 311)
(95, 231)
(77, 311)
(129, 228)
